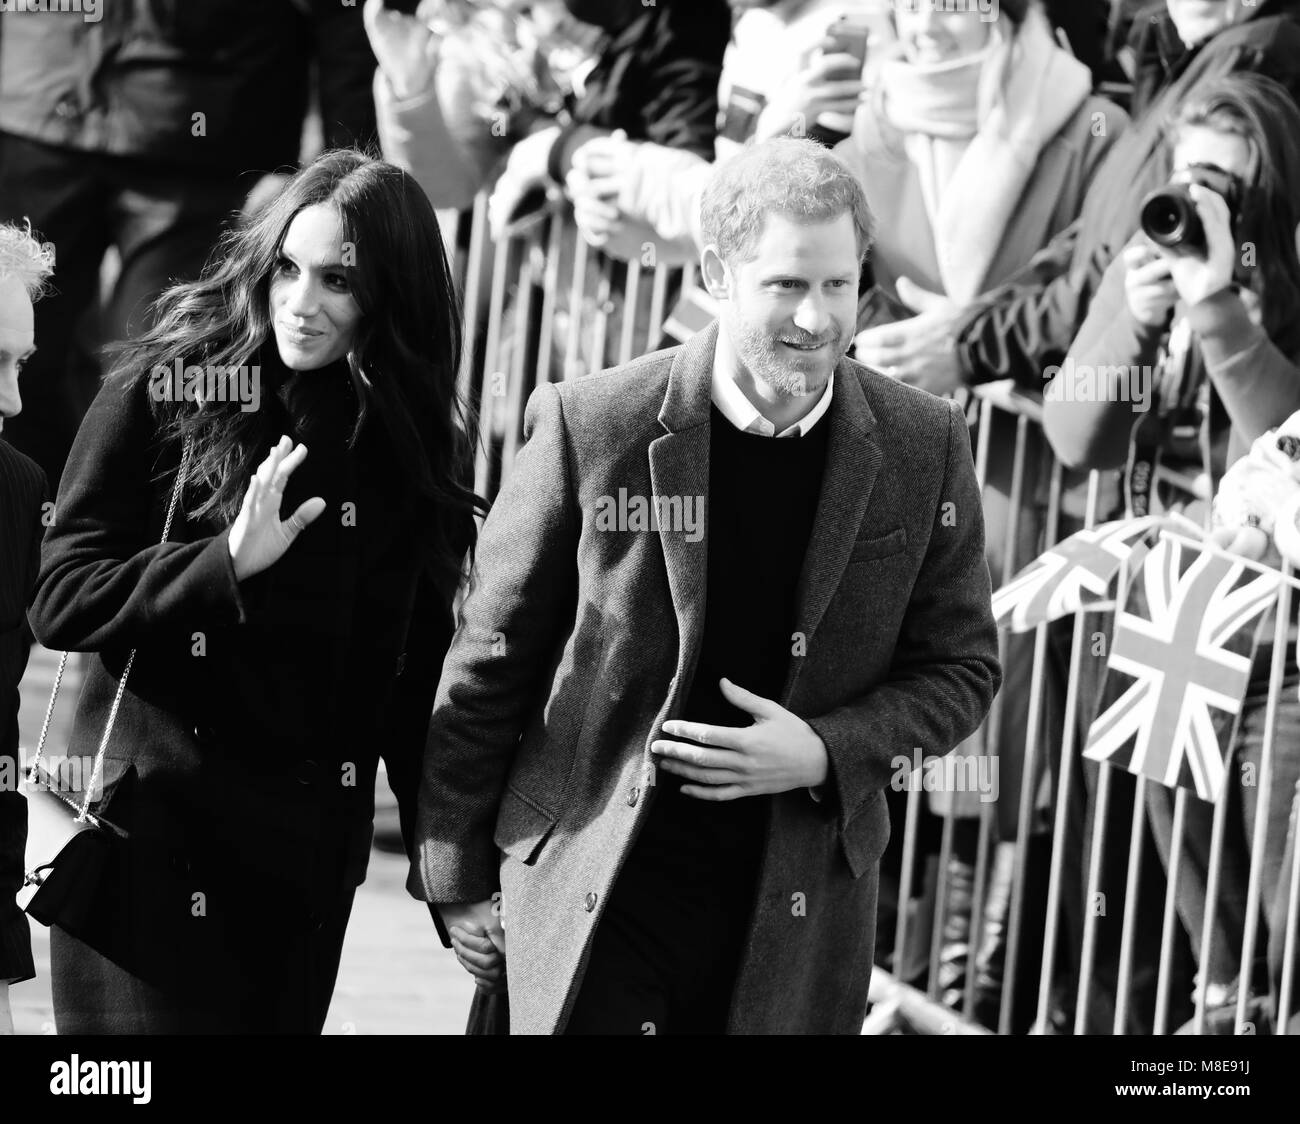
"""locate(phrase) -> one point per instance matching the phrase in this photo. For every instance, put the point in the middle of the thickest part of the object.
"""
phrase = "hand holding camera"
(1190, 240)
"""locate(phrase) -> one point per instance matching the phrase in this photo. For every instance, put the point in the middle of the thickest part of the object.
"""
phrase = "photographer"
(1207, 298)
(976, 146)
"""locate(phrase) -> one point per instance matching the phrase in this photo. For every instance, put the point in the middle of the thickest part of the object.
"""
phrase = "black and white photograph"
(650, 518)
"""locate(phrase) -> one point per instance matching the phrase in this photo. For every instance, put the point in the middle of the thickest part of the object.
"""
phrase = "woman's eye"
(284, 265)
(337, 281)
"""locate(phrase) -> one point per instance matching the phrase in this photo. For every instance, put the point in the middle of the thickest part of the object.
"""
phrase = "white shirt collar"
(739, 410)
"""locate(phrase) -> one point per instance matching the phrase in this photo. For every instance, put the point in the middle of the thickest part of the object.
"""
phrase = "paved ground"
(395, 977)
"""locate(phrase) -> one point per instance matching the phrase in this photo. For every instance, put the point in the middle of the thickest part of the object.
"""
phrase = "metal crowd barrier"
(540, 305)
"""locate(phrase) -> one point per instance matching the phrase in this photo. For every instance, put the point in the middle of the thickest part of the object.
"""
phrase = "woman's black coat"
(244, 755)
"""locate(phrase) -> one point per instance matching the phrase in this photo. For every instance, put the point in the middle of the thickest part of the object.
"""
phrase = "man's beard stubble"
(767, 361)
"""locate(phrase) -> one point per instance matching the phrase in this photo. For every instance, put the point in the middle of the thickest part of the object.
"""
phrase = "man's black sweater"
(762, 502)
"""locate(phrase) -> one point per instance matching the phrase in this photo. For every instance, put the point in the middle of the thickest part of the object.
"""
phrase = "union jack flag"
(1187, 653)
(1075, 571)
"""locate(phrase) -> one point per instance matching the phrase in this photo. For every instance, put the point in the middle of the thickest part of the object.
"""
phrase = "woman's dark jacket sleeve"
(105, 578)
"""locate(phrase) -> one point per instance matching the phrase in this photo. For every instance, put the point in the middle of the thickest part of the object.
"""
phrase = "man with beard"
(652, 791)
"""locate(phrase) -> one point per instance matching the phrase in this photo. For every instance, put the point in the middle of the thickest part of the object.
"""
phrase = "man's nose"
(811, 315)
(11, 402)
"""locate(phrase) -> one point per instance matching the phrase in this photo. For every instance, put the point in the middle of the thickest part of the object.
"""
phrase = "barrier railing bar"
(1028, 790)
(631, 291)
(1137, 830)
(550, 294)
(1292, 913)
(1277, 672)
(910, 830)
(581, 255)
(1161, 1022)
(992, 728)
(1065, 780)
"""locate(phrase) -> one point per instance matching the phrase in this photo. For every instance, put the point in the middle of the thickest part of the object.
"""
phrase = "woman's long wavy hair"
(1261, 111)
(404, 362)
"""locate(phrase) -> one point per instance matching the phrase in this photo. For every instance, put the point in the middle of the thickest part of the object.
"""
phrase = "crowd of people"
(1005, 150)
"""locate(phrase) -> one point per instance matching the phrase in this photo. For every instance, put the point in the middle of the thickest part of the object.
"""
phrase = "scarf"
(974, 128)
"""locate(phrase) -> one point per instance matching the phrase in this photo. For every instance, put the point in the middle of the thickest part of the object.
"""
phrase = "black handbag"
(68, 848)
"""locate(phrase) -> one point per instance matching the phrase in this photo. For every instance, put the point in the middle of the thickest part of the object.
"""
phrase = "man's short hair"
(22, 256)
(800, 179)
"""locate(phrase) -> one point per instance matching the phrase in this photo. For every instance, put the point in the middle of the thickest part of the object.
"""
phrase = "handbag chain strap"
(83, 809)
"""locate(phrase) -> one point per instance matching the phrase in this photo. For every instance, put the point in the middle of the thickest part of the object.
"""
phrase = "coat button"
(591, 902)
(633, 796)
(306, 772)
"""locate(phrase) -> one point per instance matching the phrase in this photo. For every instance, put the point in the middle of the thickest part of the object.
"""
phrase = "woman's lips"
(300, 335)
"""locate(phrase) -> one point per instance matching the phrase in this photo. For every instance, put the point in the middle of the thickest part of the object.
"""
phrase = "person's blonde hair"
(797, 178)
(23, 257)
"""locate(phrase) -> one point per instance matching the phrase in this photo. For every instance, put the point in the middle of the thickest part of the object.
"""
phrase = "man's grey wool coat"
(577, 642)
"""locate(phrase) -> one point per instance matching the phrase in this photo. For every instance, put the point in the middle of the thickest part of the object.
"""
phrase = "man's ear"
(715, 274)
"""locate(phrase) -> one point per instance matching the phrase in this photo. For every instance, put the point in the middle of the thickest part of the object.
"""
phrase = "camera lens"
(1169, 218)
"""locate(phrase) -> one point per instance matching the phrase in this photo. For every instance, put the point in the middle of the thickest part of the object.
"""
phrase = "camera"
(1169, 217)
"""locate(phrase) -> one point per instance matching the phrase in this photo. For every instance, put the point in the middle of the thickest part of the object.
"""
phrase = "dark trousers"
(163, 222)
(287, 990)
(666, 951)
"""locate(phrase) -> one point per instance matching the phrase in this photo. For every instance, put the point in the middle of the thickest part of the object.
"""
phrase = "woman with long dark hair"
(297, 408)
(1189, 354)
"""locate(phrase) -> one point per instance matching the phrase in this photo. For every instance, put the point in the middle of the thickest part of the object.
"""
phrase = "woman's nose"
(302, 299)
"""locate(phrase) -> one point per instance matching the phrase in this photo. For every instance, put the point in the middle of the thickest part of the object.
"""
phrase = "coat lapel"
(852, 461)
(679, 466)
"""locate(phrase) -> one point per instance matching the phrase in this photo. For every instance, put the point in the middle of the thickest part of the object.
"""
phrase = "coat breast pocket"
(870, 549)
(522, 827)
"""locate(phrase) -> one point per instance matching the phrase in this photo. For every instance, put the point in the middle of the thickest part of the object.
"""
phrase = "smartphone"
(407, 6)
(876, 307)
(847, 37)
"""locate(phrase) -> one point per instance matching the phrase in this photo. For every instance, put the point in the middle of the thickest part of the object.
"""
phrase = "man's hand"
(778, 753)
(921, 351)
(407, 51)
(478, 940)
